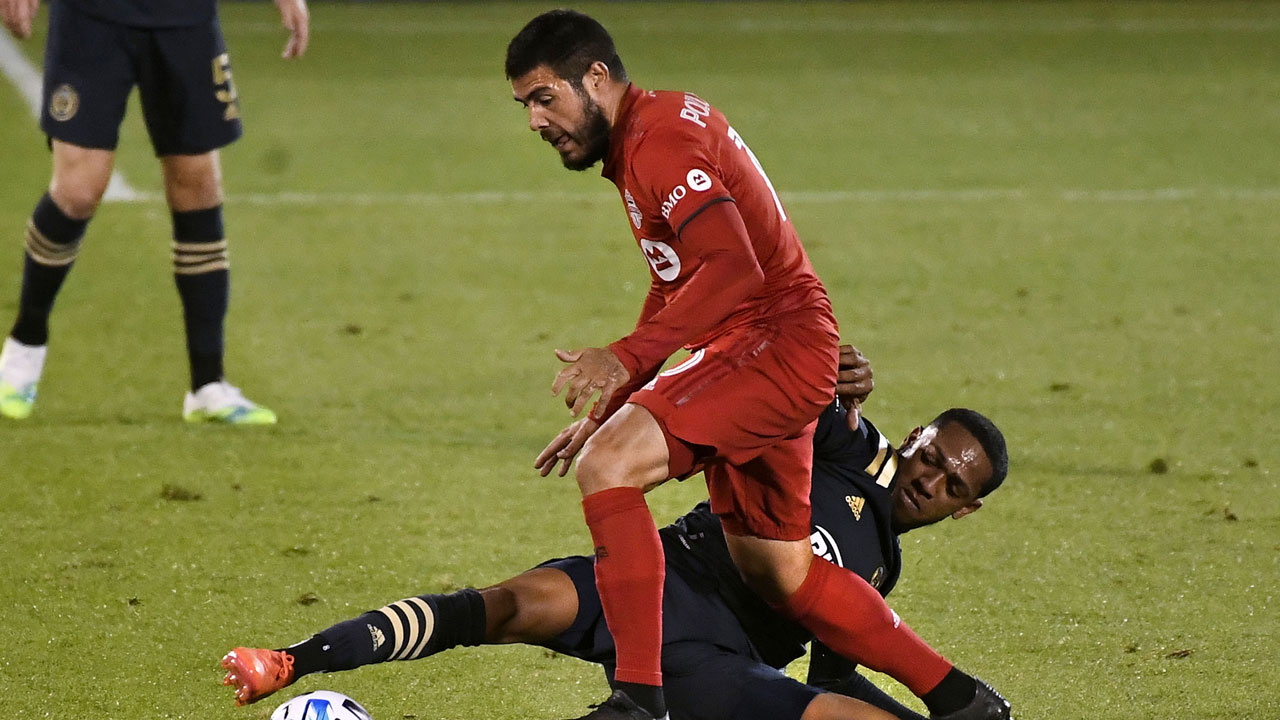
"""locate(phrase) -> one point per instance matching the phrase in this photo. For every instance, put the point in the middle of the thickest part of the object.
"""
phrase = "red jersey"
(672, 157)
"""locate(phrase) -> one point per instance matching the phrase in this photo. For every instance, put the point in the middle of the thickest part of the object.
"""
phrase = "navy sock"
(952, 694)
(202, 273)
(648, 697)
(414, 628)
(52, 243)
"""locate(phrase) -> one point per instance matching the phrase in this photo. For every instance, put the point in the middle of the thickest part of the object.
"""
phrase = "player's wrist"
(626, 358)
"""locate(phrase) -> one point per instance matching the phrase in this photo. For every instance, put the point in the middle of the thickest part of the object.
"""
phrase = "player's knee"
(192, 183)
(600, 467)
(77, 200)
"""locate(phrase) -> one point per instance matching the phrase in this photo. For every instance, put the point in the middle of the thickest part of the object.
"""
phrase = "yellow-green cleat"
(222, 402)
(20, 370)
(17, 404)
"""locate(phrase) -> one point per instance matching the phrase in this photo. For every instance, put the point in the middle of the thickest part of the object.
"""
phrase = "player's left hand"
(297, 20)
(17, 16)
(590, 369)
(854, 382)
(565, 446)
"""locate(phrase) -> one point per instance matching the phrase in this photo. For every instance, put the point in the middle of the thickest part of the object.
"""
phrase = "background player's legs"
(624, 458)
(202, 272)
(53, 236)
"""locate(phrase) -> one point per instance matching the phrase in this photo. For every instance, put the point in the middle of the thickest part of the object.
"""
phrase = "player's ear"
(909, 443)
(972, 507)
(597, 75)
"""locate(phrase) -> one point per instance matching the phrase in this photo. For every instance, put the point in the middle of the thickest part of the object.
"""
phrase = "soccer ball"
(321, 705)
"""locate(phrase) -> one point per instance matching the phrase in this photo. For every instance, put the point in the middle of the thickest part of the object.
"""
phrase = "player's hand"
(297, 20)
(590, 369)
(17, 16)
(853, 382)
(565, 446)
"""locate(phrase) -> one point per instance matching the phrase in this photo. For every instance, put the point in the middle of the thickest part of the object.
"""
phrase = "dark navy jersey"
(850, 496)
(148, 13)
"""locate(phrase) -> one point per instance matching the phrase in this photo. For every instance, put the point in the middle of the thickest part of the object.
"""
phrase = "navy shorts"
(183, 75)
(710, 669)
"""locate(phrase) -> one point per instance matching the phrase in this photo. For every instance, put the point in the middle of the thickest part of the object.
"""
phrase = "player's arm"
(565, 446)
(653, 302)
(297, 20)
(18, 15)
(727, 274)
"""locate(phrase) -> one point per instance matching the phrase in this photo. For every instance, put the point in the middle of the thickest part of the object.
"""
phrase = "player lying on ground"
(722, 644)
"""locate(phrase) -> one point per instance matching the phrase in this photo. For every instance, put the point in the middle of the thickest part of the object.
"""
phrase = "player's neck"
(612, 97)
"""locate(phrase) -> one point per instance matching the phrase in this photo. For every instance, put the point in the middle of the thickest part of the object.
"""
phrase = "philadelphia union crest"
(64, 103)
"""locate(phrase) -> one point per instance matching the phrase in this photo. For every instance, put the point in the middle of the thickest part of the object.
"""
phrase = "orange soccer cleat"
(256, 673)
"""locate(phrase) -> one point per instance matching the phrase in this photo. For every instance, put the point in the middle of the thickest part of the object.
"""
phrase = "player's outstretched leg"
(409, 629)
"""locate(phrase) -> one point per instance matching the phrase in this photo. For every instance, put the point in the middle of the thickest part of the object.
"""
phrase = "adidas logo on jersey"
(856, 504)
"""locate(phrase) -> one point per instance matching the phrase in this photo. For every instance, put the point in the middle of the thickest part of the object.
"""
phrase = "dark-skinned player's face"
(940, 474)
(565, 115)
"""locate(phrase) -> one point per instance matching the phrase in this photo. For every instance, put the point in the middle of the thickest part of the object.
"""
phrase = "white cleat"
(20, 370)
(222, 402)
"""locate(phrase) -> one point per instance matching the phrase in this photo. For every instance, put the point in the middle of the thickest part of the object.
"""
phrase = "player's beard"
(592, 136)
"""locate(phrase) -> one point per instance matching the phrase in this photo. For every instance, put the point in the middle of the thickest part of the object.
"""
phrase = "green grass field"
(1062, 214)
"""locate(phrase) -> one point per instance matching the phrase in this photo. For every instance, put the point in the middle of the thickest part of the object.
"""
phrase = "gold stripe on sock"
(397, 626)
(428, 627)
(45, 252)
(411, 634)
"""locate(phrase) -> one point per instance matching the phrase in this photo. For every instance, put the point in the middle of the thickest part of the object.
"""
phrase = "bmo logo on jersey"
(824, 546)
(698, 181)
(664, 261)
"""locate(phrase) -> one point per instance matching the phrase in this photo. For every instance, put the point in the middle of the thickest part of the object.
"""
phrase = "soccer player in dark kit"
(96, 52)
(730, 282)
(722, 646)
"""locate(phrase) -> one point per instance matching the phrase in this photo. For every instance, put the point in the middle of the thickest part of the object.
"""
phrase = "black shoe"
(987, 704)
(620, 707)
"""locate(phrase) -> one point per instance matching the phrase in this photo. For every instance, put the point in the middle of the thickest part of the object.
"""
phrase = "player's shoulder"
(673, 116)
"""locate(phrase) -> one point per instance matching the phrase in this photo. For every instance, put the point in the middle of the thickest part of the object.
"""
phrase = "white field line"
(26, 78)
(843, 26)
(803, 197)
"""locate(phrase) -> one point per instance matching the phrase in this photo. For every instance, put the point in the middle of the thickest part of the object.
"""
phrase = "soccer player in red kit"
(731, 282)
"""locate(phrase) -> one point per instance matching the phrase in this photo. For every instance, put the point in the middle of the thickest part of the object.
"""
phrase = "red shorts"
(743, 410)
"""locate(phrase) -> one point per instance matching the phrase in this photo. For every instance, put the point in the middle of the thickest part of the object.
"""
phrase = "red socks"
(629, 576)
(851, 618)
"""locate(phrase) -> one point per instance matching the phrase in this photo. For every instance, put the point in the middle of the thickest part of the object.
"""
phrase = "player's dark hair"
(566, 41)
(987, 435)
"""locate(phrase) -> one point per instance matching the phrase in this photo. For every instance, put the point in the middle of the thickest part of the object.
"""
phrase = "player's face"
(565, 115)
(941, 472)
